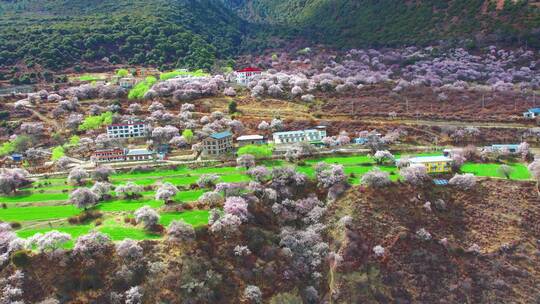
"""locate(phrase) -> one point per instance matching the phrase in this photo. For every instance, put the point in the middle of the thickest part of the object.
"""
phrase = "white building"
(244, 76)
(140, 154)
(130, 129)
(127, 82)
(312, 135)
(250, 140)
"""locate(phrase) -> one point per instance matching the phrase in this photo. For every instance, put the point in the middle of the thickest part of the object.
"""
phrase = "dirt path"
(272, 108)
(422, 122)
(46, 119)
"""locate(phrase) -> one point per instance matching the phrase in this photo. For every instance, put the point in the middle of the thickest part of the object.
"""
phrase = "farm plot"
(45, 207)
(519, 171)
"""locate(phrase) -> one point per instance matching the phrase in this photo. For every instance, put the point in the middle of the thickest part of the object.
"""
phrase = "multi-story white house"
(311, 135)
(244, 76)
(127, 130)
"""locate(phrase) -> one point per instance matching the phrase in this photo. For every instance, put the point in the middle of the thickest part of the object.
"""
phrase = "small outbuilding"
(16, 157)
(140, 154)
(531, 113)
(510, 148)
(250, 140)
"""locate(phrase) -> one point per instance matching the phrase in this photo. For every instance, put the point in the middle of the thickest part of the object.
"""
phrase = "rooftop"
(296, 131)
(139, 152)
(250, 69)
(129, 123)
(429, 159)
(505, 146)
(221, 135)
(250, 137)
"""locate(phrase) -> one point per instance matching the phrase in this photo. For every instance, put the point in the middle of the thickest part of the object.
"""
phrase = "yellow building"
(433, 164)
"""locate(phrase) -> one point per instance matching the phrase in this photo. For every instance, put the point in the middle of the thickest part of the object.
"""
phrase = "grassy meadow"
(45, 206)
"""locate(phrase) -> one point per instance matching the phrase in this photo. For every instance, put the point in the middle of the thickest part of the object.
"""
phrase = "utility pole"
(407, 105)
(483, 100)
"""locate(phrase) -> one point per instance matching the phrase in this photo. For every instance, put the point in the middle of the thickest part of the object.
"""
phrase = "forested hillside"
(353, 23)
(60, 33)
(52, 35)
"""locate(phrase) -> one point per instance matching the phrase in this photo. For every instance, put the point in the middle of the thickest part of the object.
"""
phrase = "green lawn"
(195, 217)
(116, 231)
(34, 197)
(89, 77)
(490, 170)
(37, 213)
(52, 202)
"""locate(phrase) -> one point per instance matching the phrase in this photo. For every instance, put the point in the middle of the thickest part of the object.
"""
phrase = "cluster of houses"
(443, 163)
(222, 143)
(215, 145)
(131, 129)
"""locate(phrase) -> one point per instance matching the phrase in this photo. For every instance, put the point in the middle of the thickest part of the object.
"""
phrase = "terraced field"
(45, 207)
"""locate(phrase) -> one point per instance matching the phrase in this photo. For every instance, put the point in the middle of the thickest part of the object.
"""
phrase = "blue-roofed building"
(510, 148)
(440, 182)
(531, 113)
(218, 143)
(360, 140)
(16, 157)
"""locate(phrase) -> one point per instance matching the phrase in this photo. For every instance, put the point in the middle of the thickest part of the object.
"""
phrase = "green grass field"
(89, 77)
(491, 170)
(45, 208)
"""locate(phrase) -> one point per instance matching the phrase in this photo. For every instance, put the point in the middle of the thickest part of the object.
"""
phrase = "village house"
(218, 143)
(122, 155)
(433, 164)
(362, 140)
(109, 155)
(16, 157)
(127, 82)
(251, 140)
(145, 72)
(290, 137)
(244, 76)
(504, 148)
(127, 130)
(531, 113)
(140, 154)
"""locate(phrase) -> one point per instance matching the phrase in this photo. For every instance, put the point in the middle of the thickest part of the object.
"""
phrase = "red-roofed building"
(244, 76)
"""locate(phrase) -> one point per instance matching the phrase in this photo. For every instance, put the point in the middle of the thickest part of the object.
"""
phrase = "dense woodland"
(346, 23)
(38, 36)
(158, 33)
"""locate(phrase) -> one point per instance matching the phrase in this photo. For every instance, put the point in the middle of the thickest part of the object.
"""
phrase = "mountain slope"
(350, 23)
(60, 33)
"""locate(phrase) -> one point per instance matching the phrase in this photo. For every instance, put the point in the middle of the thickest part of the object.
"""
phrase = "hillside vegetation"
(60, 33)
(348, 23)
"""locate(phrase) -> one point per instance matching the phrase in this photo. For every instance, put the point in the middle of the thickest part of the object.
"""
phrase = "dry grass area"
(501, 217)
(466, 105)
